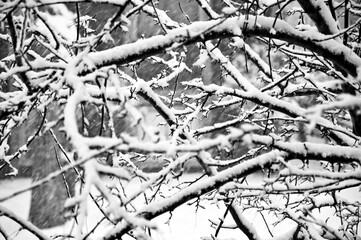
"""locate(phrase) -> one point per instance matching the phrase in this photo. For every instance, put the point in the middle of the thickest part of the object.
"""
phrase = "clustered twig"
(279, 86)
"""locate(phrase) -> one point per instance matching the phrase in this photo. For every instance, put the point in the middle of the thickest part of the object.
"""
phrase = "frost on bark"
(125, 96)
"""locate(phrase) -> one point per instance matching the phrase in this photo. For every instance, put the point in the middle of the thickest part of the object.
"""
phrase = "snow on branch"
(276, 104)
(197, 189)
(255, 108)
(320, 15)
(262, 26)
(24, 223)
(309, 150)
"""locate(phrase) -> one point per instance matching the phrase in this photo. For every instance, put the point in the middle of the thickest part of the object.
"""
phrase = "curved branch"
(24, 223)
(157, 208)
(330, 49)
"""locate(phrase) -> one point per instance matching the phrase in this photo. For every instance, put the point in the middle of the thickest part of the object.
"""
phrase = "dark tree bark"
(47, 201)
(313, 9)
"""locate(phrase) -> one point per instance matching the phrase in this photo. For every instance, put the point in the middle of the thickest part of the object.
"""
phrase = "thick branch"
(197, 189)
(326, 24)
(320, 15)
(243, 223)
(308, 150)
(268, 101)
(341, 55)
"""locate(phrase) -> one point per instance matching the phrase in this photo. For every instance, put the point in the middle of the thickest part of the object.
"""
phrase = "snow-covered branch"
(196, 190)
(248, 107)
(309, 150)
(23, 223)
(330, 49)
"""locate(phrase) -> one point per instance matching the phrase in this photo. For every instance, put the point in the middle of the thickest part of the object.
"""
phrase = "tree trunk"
(47, 201)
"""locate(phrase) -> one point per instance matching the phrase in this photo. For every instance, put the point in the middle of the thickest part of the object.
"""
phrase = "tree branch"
(308, 150)
(330, 49)
(326, 24)
(320, 15)
(155, 209)
(24, 223)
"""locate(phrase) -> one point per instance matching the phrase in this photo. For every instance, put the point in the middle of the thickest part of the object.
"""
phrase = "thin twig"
(55, 174)
(24, 223)
(156, 13)
(18, 55)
